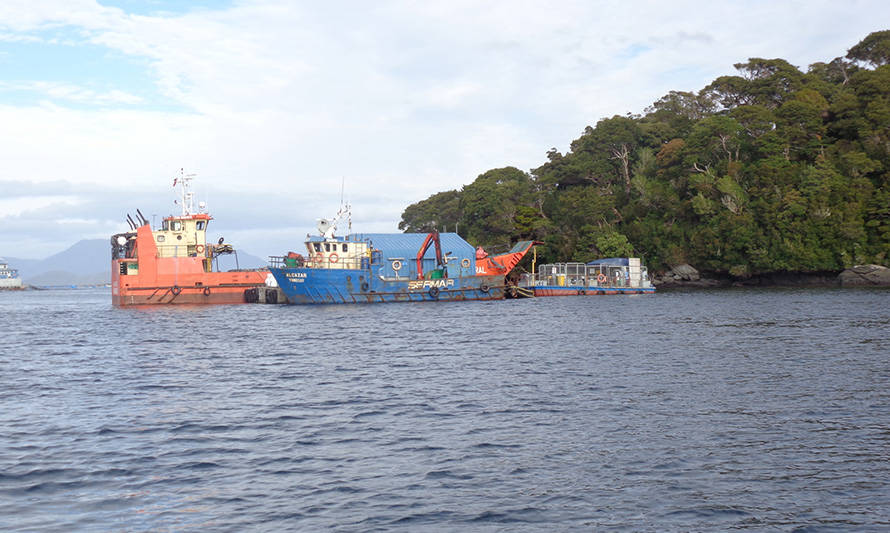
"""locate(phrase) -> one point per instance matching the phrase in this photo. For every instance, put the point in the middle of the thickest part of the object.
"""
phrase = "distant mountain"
(88, 262)
(22, 265)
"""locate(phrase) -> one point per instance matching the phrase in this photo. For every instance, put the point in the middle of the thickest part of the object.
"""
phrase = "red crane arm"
(431, 238)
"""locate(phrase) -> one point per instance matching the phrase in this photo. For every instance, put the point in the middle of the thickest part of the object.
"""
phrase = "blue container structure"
(383, 267)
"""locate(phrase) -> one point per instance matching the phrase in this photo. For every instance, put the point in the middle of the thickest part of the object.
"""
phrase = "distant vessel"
(9, 277)
(385, 267)
(174, 264)
(613, 275)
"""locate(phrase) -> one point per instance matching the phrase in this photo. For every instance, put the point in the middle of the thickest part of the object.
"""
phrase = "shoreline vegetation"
(773, 176)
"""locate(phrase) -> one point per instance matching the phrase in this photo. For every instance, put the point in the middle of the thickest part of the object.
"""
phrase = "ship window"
(344, 246)
(160, 238)
(317, 246)
(200, 225)
(327, 247)
(177, 225)
(166, 225)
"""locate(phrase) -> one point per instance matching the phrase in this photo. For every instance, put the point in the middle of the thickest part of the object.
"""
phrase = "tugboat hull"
(232, 290)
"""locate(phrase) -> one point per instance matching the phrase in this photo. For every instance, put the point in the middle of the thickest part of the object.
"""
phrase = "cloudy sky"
(274, 104)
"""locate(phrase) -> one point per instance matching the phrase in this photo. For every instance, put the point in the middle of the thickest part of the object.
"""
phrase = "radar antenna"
(327, 227)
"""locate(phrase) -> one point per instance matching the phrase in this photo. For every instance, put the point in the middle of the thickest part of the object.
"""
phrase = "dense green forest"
(771, 170)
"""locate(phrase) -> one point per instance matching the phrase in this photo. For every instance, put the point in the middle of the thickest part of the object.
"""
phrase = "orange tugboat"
(174, 264)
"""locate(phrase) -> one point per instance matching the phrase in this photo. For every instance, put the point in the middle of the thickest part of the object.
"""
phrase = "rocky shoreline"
(687, 276)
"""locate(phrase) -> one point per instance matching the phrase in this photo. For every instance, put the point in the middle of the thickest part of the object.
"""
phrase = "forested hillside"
(770, 170)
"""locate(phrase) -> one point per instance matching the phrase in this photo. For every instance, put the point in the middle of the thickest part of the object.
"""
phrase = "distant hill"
(88, 262)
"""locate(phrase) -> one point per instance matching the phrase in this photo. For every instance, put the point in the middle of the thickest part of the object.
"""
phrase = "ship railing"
(349, 263)
(586, 276)
(178, 250)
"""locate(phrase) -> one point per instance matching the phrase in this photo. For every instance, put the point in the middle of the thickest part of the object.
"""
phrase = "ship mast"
(187, 197)
(327, 227)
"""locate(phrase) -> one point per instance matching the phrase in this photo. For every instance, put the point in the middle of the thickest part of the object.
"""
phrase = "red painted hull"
(176, 294)
(591, 291)
(209, 288)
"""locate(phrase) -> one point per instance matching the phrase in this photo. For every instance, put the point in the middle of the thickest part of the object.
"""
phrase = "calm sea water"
(705, 411)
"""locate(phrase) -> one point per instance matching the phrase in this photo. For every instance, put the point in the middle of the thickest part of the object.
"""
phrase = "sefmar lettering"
(420, 285)
(293, 275)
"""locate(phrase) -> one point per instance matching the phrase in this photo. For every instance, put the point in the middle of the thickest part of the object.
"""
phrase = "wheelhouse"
(182, 236)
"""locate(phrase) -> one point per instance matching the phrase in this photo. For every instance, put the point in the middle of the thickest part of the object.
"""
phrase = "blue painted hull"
(346, 286)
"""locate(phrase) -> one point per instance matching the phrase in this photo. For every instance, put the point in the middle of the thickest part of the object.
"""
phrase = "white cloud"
(72, 93)
(18, 206)
(18, 38)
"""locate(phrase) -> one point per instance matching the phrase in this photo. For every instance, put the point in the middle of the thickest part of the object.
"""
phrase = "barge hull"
(590, 291)
(354, 286)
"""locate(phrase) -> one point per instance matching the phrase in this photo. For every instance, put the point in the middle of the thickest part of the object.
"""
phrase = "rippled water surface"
(734, 409)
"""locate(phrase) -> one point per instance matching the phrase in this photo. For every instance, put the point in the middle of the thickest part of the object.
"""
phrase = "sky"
(279, 107)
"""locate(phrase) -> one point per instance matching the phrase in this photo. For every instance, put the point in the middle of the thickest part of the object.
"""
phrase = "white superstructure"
(9, 277)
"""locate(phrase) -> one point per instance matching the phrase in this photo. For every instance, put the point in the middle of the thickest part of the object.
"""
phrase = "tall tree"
(491, 206)
(874, 49)
(438, 212)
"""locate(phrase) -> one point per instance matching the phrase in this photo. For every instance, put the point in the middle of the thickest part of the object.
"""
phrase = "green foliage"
(874, 49)
(771, 170)
(701, 205)
(497, 206)
(439, 211)
(614, 244)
